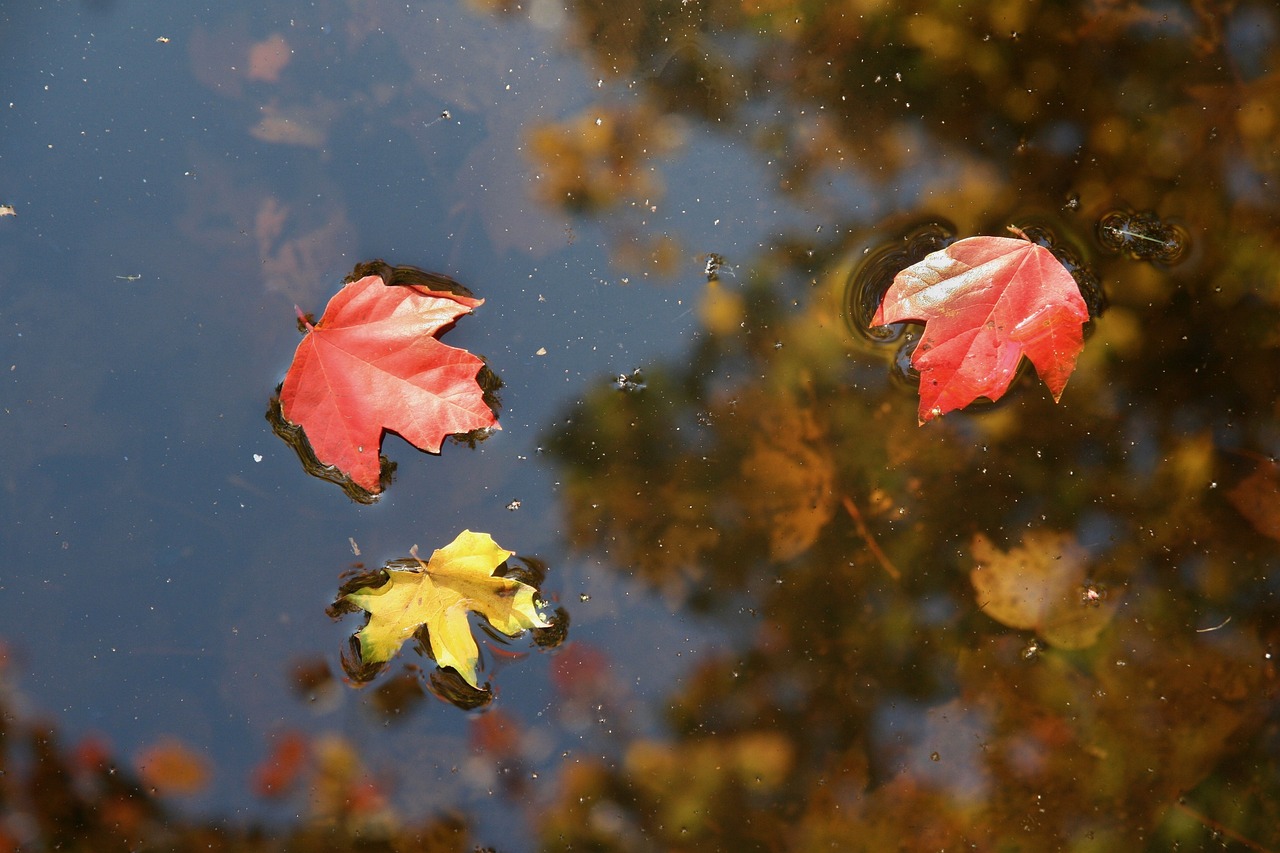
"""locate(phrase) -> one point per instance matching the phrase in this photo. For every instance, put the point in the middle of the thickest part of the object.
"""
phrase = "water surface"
(776, 641)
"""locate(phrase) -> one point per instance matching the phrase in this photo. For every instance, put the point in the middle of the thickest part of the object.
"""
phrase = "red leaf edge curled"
(985, 303)
(372, 363)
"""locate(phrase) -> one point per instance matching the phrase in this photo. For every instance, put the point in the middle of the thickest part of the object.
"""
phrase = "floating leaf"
(985, 303)
(456, 580)
(374, 363)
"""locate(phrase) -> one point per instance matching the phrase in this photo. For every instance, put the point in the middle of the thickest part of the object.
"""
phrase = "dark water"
(775, 641)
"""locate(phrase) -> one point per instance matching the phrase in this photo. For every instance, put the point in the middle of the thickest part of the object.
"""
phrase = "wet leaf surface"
(439, 595)
(986, 302)
(374, 362)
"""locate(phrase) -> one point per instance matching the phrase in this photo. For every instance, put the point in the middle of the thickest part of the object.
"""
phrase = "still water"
(781, 636)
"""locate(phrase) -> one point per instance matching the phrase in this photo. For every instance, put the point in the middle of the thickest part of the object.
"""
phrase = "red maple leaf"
(985, 303)
(374, 363)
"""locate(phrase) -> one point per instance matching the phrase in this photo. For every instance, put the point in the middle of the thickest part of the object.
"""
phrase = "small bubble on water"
(584, 597)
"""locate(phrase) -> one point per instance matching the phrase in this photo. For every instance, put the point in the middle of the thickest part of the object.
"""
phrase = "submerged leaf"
(457, 579)
(1041, 586)
(787, 480)
(1257, 498)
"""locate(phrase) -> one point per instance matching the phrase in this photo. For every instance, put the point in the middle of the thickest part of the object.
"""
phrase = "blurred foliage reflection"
(1120, 693)
(778, 471)
(86, 798)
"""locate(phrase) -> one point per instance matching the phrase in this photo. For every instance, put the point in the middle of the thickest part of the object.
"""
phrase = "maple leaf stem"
(303, 318)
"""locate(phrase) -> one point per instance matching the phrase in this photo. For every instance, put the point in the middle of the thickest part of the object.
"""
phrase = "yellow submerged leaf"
(458, 578)
(1041, 586)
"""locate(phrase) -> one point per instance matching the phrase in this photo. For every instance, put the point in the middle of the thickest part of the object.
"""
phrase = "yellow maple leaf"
(1041, 586)
(458, 578)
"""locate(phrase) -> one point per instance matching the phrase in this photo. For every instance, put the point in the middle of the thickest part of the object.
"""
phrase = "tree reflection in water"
(871, 712)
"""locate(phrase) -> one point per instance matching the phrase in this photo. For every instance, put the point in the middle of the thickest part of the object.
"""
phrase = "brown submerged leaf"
(788, 481)
(1257, 498)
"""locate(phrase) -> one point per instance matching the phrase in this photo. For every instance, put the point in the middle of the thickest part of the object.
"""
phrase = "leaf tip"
(926, 415)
